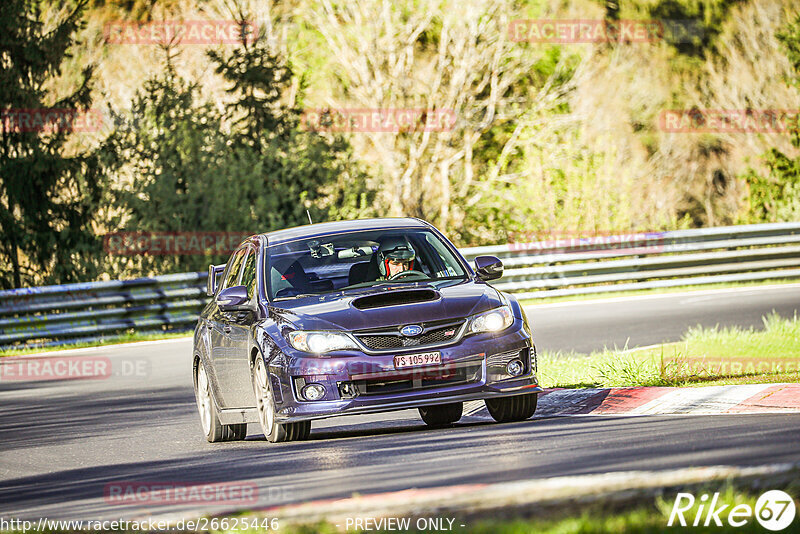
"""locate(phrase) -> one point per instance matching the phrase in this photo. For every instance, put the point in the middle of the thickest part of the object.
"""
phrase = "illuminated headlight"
(492, 321)
(314, 392)
(319, 342)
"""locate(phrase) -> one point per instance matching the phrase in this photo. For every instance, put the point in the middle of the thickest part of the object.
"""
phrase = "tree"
(456, 59)
(298, 168)
(776, 196)
(171, 174)
(185, 165)
(48, 193)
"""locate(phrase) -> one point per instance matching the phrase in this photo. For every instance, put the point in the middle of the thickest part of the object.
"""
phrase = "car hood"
(338, 311)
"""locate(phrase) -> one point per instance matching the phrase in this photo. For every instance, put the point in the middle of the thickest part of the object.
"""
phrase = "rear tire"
(209, 420)
(275, 432)
(442, 414)
(516, 408)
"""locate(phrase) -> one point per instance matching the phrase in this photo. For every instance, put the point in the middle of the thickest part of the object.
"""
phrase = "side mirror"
(213, 273)
(232, 299)
(488, 267)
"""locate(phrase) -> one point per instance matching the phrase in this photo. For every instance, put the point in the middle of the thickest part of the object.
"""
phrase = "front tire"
(442, 414)
(516, 408)
(275, 432)
(209, 421)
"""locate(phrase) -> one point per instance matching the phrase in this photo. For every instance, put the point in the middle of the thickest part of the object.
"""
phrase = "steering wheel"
(403, 274)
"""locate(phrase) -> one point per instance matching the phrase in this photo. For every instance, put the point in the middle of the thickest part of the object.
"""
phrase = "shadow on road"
(131, 436)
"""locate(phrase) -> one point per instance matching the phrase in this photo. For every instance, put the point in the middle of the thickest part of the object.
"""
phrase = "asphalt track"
(62, 442)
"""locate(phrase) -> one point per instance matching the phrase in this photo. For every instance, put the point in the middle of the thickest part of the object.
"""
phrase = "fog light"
(314, 392)
(515, 368)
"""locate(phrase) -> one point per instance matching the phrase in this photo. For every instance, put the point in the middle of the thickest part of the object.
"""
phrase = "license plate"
(417, 360)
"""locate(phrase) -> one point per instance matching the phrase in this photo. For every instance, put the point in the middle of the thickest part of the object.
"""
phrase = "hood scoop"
(395, 298)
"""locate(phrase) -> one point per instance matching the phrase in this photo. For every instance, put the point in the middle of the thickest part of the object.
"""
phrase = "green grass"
(640, 292)
(643, 514)
(704, 356)
(129, 337)
(642, 518)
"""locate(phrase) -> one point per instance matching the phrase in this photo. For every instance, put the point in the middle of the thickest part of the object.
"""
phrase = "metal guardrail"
(74, 313)
(65, 314)
(604, 264)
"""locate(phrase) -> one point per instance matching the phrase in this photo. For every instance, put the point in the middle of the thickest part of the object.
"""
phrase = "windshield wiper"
(298, 296)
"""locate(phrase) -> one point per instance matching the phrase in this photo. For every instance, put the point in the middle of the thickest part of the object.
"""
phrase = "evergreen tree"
(186, 166)
(47, 195)
(297, 168)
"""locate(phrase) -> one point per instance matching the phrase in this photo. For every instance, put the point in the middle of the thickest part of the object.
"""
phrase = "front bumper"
(356, 383)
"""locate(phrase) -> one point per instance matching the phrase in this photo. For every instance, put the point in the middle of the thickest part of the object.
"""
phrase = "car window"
(232, 273)
(248, 278)
(330, 263)
(448, 264)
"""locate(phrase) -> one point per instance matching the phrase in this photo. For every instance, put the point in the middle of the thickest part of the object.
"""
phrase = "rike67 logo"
(774, 510)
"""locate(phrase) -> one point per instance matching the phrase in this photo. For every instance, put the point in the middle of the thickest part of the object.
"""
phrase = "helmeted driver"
(395, 255)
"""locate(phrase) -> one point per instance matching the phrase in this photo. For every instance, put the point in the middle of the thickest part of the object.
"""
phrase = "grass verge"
(636, 513)
(632, 513)
(606, 517)
(704, 356)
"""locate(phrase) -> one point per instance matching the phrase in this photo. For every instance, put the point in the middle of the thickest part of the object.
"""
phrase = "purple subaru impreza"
(357, 317)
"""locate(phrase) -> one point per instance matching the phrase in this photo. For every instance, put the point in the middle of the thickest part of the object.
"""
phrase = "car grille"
(496, 363)
(503, 358)
(414, 380)
(434, 333)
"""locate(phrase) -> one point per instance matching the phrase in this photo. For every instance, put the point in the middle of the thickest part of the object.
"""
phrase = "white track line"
(699, 292)
(99, 348)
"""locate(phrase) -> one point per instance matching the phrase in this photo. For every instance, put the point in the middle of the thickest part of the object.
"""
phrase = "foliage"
(48, 194)
(775, 196)
(694, 23)
(186, 166)
(548, 137)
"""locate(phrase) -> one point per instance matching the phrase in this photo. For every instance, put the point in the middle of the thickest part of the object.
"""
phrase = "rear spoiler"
(213, 272)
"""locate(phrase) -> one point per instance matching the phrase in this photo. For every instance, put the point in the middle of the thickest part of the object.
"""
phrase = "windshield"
(358, 259)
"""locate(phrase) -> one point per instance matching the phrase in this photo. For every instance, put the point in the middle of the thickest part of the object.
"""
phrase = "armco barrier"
(648, 261)
(69, 313)
(64, 314)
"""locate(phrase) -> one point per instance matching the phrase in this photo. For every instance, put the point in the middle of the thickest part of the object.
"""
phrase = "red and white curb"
(708, 400)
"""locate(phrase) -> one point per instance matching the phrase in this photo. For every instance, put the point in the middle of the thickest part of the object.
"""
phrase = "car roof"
(338, 227)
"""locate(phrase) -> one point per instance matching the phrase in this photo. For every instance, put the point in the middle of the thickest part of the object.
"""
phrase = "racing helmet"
(397, 249)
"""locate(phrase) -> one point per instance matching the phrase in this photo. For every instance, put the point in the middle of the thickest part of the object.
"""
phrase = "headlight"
(319, 342)
(492, 321)
(314, 392)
